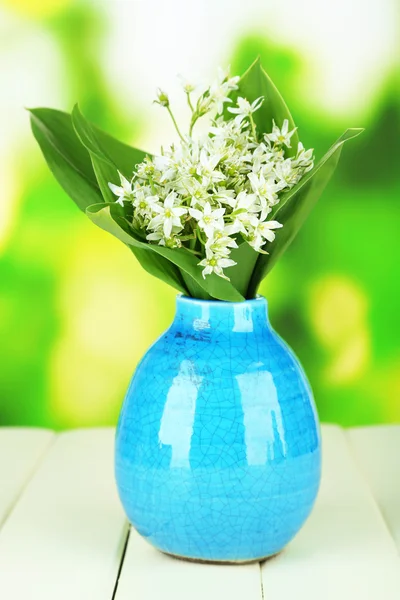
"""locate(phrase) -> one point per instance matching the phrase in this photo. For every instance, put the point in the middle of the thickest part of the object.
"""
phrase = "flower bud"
(162, 98)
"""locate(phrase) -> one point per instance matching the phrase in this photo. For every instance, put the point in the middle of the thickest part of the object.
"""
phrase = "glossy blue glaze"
(218, 443)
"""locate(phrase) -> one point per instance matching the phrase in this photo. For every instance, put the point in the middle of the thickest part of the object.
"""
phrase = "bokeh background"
(77, 312)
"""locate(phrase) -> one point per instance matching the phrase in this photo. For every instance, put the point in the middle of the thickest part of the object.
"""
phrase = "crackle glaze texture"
(218, 443)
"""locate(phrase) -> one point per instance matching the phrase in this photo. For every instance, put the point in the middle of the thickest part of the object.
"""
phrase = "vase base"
(222, 562)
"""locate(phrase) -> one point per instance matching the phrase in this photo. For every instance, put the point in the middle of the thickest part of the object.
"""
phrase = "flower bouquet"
(218, 450)
(201, 215)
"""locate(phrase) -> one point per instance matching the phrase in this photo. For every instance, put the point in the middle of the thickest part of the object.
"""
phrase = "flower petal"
(167, 227)
(116, 189)
(196, 214)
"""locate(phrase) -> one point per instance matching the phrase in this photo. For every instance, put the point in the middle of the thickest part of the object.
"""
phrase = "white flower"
(123, 192)
(219, 95)
(226, 129)
(220, 244)
(204, 104)
(245, 203)
(220, 89)
(158, 236)
(262, 233)
(267, 192)
(167, 166)
(196, 191)
(304, 158)
(209, 220)
(145, 169)
(244, 108)
(187, 85)
(168, 215)
(145, 205)
(281, 136)
(216, 264)
(244, 214)
(207, 167)
(286, 173)
(225, 196)
(224, 76)
(261, 159)
(265, 189)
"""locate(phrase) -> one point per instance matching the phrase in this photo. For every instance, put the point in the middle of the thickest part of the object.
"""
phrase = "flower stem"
(153, 188)
(195, 252)
(200, 237)
(175, 123)
(189, 102)
(195, 116)
(253, 126)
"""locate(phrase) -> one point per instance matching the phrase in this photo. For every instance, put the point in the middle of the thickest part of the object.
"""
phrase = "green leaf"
(107, 154)
(123, 156)
(104, 168)
(240, 275)
(195, 290)
(295, 207)
(104, 146)
(213, 286)
(255, 83)
(161, 268)
(66, 157)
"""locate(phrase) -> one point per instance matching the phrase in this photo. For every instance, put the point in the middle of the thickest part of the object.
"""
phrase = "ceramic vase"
(218, 453)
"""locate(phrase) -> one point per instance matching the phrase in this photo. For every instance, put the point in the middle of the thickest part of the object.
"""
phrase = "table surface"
(63, 535)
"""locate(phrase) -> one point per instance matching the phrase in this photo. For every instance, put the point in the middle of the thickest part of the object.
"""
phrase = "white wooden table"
(63, 535)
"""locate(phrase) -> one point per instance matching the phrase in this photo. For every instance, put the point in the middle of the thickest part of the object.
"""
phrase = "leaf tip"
(351, 133)
(76, 110)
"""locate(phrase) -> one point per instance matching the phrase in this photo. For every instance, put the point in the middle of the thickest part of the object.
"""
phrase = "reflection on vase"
(264, 433)
(177, 420)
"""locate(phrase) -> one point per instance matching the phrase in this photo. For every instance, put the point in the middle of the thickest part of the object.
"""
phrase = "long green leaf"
(104, 146)
(213, 286)
(255, 83)
(240, 275)
(161, 268)
(124, 156)
(107, 154)
(295, 206)
(195, 290)
(67, 158)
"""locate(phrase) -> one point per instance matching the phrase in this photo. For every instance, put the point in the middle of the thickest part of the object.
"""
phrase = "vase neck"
(214, 315)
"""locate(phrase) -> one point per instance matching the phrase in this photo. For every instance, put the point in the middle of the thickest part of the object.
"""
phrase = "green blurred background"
(77, 312)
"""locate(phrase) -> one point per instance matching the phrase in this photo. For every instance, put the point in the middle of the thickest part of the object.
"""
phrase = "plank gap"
(368, 484)
(128, 533)
(7, 512)
(261, 582)
(376, 450)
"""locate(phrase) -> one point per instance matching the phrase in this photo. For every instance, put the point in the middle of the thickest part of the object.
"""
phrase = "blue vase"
(218, 453)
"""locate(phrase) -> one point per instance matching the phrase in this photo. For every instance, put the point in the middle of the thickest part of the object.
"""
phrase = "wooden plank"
(344, 550)
(377, 451)
(65, 537)
(147, 574)
(21, 449)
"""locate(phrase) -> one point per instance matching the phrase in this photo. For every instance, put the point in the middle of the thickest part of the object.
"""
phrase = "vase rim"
(258, 300)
